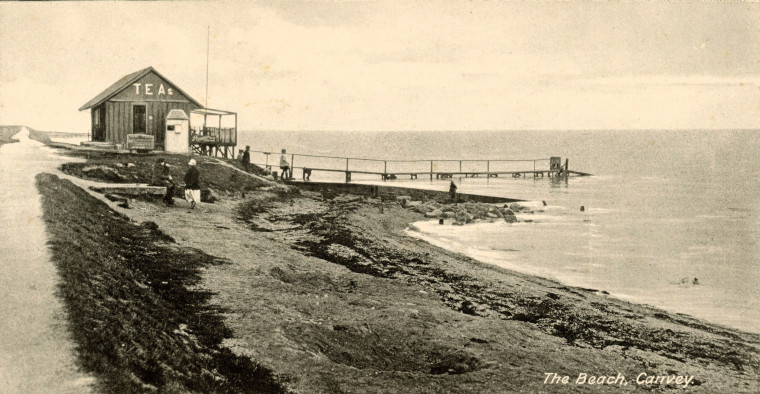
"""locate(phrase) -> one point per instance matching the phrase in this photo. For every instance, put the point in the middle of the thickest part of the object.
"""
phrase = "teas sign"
(150, 89)
(140, 141)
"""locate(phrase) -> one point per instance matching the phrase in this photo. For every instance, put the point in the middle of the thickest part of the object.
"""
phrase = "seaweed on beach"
(140, 321)
(341, 240)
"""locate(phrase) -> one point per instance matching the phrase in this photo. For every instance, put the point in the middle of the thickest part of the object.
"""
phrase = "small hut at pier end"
(145, 111)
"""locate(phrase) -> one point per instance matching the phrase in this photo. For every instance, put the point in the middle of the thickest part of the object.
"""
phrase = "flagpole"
(208, 40)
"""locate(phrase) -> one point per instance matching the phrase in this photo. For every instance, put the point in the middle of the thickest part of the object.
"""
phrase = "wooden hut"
(138, 104)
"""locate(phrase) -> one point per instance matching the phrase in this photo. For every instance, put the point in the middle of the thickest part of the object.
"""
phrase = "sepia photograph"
(379, 196)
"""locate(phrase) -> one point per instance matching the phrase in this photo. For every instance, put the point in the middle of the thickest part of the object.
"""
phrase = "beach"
(325, 292)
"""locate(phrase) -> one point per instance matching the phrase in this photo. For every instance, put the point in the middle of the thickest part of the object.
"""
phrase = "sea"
(670, 218)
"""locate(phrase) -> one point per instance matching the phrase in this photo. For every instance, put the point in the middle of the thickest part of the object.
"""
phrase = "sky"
(395, 65)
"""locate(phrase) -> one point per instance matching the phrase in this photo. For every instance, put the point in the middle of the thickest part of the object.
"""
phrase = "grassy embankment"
(115, 167)
(6, 132)
(135, 313)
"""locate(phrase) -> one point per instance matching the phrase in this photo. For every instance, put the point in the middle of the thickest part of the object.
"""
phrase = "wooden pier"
(434, 169)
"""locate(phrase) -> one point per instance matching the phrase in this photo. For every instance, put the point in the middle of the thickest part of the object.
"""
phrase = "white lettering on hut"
(147, 89)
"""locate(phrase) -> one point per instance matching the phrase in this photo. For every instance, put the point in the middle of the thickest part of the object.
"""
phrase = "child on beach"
(192, 184)
(284, 166)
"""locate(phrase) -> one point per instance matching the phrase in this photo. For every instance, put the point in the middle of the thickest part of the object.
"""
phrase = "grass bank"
(221, 175)
(136, 313)
(6, 132)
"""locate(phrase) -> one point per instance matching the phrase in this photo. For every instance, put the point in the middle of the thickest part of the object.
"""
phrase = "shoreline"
(325, 289)
(418, 233)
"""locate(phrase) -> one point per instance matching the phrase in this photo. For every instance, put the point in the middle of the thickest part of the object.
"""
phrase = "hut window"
(96, 115)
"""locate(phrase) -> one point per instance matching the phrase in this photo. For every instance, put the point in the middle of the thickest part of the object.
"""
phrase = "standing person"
(247, 158)
(162, 177)
(192, 184)
(453, 191)
(284, 166)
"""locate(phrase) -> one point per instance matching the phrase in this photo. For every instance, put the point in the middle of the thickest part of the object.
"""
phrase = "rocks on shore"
(463, 213)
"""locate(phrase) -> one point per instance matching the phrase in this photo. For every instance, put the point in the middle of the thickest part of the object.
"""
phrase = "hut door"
(99, 124)
(138, 119)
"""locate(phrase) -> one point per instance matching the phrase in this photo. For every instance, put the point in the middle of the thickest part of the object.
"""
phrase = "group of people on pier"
(287, 172)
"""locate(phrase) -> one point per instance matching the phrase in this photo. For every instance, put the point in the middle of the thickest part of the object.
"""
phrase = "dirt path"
(36, 354)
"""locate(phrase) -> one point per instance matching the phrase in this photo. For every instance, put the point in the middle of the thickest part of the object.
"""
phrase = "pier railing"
(213, 135)
(213, 140)
(409, 169)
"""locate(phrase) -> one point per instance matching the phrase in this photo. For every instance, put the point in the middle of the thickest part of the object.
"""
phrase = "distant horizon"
(427, 131)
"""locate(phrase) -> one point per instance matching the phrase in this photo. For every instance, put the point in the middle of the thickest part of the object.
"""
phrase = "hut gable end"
(143, 85)
(151, 87)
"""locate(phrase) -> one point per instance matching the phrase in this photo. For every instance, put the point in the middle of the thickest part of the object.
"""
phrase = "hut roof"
(127, 81)
(177, 114)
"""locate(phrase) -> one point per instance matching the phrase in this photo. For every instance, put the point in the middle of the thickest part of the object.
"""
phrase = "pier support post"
(431, 170)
